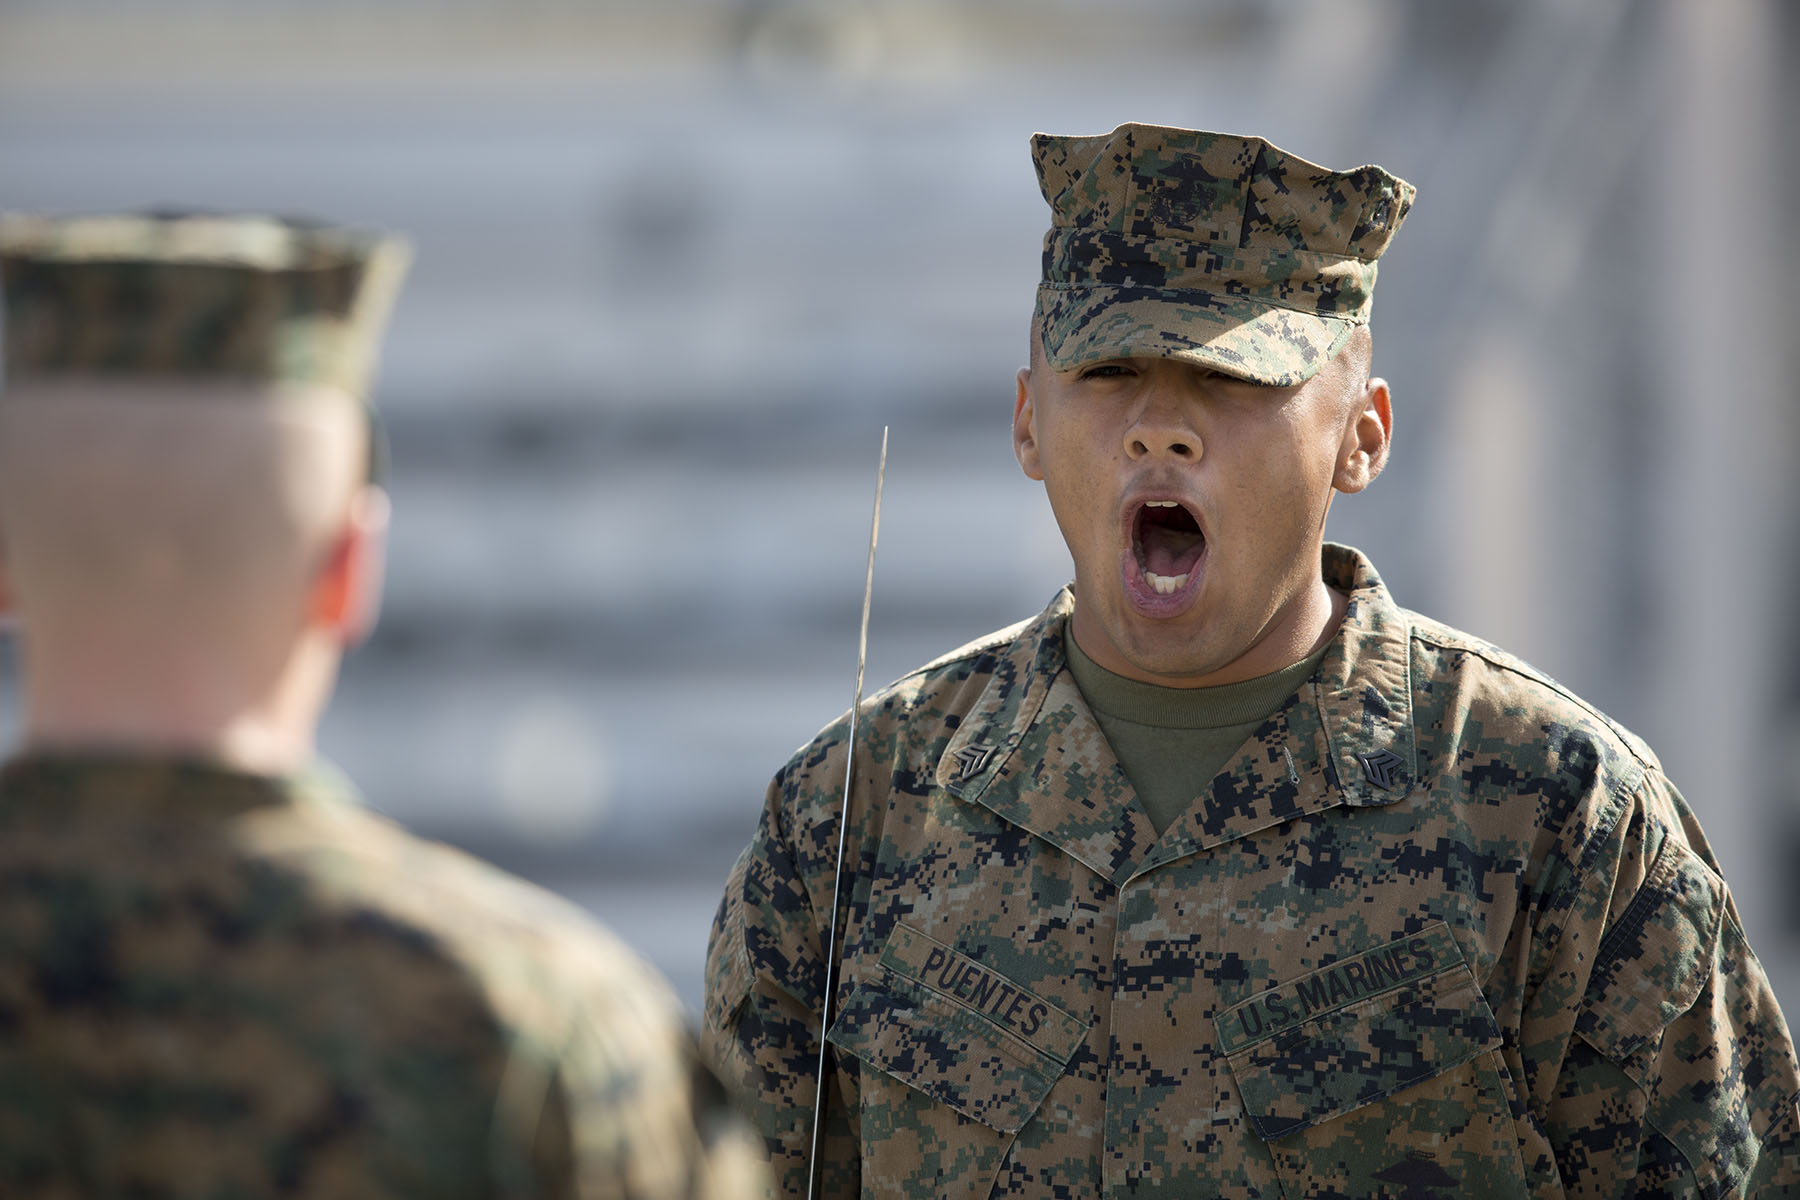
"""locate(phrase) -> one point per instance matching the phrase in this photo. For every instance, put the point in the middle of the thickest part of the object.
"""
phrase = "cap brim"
(1249, 340)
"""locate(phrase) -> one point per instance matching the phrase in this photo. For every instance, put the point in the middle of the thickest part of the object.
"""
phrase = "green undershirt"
(1172, 741)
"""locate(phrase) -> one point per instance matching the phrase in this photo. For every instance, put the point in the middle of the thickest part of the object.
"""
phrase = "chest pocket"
(963, 1056)
(1379, 1075)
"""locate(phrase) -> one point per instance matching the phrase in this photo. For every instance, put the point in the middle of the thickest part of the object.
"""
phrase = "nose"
(1162, 428)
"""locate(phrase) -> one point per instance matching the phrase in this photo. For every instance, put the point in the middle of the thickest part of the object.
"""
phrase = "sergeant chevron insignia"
(1380, 767)
(971, 760)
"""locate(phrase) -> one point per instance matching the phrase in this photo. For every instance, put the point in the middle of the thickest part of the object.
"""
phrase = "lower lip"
(1147, 601)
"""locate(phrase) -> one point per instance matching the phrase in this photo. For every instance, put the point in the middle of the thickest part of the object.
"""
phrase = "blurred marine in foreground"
(1227, 876)
(220, 976)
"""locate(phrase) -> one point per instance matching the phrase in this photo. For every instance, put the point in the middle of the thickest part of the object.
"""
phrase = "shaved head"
(171, 531)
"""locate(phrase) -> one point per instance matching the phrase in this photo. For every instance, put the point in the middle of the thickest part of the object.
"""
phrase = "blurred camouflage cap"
(247, 298)
(1220, 250)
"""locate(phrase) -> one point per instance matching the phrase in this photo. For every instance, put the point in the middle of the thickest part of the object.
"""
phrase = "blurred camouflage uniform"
(1439, 929)
(220, 984)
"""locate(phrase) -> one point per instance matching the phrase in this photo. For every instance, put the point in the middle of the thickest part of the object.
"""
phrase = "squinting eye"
(1106, 371)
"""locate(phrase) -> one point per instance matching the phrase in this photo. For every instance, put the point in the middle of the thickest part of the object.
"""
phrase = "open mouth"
(1168, 543)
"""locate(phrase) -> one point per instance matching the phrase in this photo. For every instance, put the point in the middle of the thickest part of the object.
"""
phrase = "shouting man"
(1226, 875)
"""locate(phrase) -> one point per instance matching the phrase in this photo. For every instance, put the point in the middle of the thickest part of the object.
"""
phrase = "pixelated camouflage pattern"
(242, 298)
(218, 985)
(1215, 249)
(1440, 929)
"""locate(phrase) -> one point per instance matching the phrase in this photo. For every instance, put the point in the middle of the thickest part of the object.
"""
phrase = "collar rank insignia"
(1379, 767)
(971, 760)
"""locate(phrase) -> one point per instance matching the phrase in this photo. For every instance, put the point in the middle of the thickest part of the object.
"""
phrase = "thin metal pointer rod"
(815, 1163)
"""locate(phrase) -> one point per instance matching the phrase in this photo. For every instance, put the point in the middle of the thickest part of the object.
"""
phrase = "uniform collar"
(119, 782)
(1031, 751)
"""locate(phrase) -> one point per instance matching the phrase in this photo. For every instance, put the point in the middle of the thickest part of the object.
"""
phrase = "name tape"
(974, 984)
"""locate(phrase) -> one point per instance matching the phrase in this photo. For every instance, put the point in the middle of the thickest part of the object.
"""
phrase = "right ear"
(347, 591)
(1025, 443)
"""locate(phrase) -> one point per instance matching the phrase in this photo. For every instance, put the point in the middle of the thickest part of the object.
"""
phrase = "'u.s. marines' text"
(1368, 974)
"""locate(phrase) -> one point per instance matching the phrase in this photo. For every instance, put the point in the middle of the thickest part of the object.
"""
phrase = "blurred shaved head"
(164, 546)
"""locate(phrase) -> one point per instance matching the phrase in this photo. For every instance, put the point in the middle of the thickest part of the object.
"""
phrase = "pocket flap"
(955, 1029)
(1656, 958)
(1355, 1032)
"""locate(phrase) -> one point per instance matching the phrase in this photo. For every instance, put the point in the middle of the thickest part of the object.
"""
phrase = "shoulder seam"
(986, 642)
(894, 692)
(1514, 666)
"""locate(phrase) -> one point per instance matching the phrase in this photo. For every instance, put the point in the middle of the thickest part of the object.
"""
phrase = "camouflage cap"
(1221, 250)
(249, 298)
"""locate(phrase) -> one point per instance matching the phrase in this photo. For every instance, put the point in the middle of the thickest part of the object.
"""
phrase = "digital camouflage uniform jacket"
(224, 986)
(1440, 929)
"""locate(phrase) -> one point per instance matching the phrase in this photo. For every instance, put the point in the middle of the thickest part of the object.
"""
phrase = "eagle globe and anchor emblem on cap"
(1418, 1176)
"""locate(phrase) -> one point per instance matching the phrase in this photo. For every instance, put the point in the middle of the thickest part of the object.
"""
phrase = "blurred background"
(680, 260)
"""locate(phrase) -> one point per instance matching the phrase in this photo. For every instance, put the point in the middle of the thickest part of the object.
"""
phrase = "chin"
(1171, 657)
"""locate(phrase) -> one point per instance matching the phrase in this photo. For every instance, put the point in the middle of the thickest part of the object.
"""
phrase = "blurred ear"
(1367, 435)
(347, 591)
(8, 617)
(1025, 445)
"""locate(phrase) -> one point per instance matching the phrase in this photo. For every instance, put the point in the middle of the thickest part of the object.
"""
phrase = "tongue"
(1171, 552)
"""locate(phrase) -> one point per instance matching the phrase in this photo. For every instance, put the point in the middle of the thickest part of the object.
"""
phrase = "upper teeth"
(1162, 504)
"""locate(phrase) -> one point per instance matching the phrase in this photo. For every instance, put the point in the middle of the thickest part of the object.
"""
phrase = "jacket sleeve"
(649, 1131)
(1663, 1066)
(603, 1095)
(764, 978)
